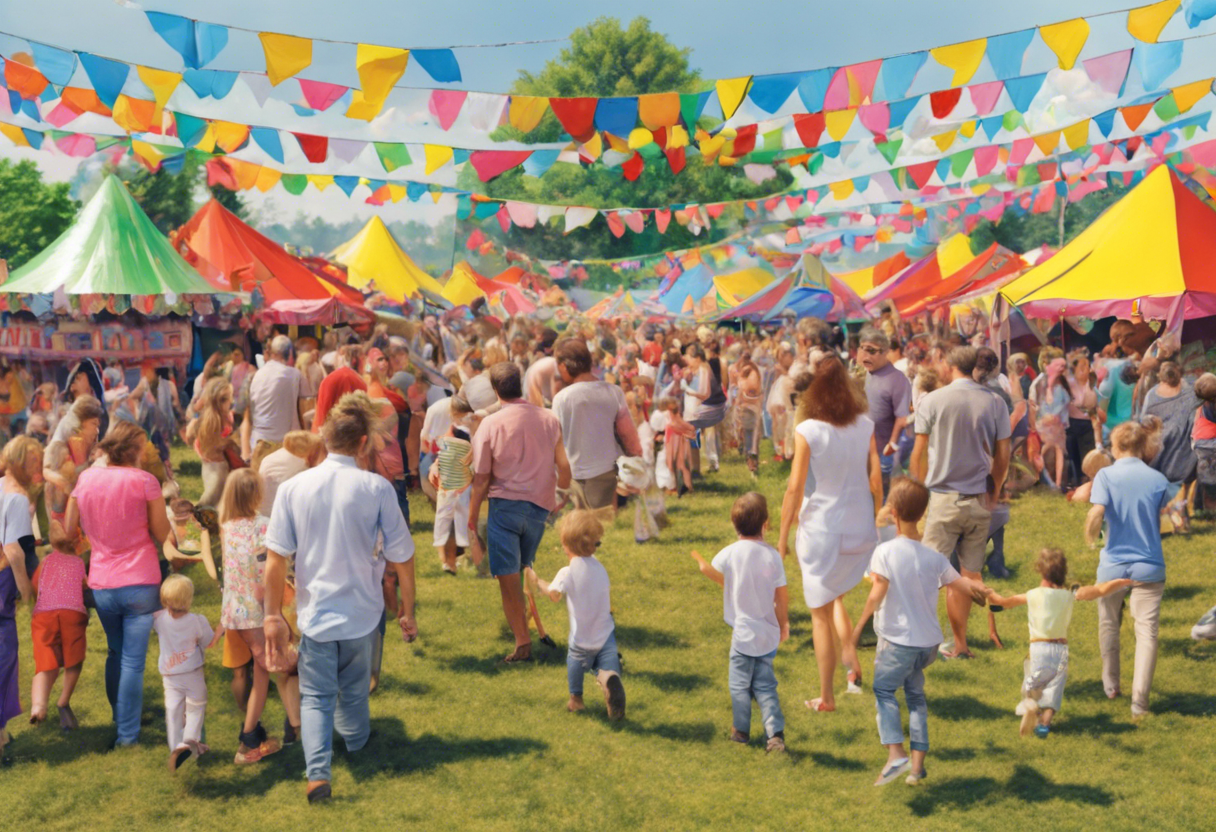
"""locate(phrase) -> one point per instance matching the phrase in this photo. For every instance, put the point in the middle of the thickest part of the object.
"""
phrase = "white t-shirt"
(908, 615)
(753, 571)
(277, 468)
(182, 641)
(274, 402)
(585, 584)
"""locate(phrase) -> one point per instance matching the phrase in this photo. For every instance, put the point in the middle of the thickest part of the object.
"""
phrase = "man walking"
(962, 455)
(327, 520)
(519, 462)
(274, 399)
(890, 395)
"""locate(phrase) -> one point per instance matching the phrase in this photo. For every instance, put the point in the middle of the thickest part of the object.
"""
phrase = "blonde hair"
(1095, 461)
(1136, 439)
(351, 419)
(301, 443)
(263, 449)
(210, 430)
(242, 495)
(177, 593)
(16, 454)
(581, 532)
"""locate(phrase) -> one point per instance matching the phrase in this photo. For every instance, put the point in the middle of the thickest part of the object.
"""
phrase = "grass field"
(465, 743)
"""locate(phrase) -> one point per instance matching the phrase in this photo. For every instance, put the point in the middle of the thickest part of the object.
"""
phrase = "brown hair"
(1136, 439)
(263, 449)
(301, 443)
(86, 407)
(1052, 565)
(124, 444)
(1205, 387)
(1170, 373)
(16, 454)
(242, 495)
(1095, 461)
(908, 499)
(833, 396)
(749, 514)
(351, 419)
(506, 380)
(573, 354)
(581, 533)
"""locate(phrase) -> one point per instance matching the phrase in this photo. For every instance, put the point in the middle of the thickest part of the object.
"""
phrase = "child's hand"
(215, 639)
(697, 557)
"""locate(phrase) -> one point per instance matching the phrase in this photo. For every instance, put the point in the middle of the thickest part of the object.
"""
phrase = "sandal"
(516, 658)
(818, 705)
(854, 678)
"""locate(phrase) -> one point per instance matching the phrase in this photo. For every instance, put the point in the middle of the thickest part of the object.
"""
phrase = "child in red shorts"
(58, 626)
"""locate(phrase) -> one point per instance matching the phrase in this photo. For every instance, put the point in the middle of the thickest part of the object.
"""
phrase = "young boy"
(584, 581)
(1049, 612)
(58, 627)
(451, 475)
(755, 603)
(183, 637)
(907, 578)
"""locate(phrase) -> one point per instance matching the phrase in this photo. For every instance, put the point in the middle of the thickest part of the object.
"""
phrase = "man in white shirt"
(274, 399)
(327, 520)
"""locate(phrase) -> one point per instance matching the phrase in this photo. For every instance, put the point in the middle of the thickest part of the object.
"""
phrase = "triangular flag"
(731, 92)
(659, 110)
(491, 163)
(769, 92)
(445, 106)
(944, 140)
(437, 156)
(985, 96)
(676, 159)
(266, 138)
(1146, 22)
(1188, 95)
(440, 64)
(1023, 90)
(1134, 116)
(943, 102)
(576, 116)
(810, 127)
(285, 55)
(319, 95)
(1105, 121)
(1066, 40)
(1077, 135)
(839, 121)
(898, 73)
(392, 155)
(106, 76)
(875, 117)
(1005, 53)
(1157, 62)
(136, 115)
(985, 159)
(616, 116)
(346, 150)
(526, 111)
(1166, 109)
(161, 82)
(315, 148)
(380, 68)
(963, 58)
(1109, 71)
(1047, 142)
(56, 65)
(889, 150)
(24, 80)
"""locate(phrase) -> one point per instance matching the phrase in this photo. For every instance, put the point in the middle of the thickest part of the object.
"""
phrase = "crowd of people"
(903, 453)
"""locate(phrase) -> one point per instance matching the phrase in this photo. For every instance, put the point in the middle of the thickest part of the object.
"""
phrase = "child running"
(755, 603)
(907, 578)
(58, 627)
(584, 581)
(183, 637)
(452, 474)
(1049, 612)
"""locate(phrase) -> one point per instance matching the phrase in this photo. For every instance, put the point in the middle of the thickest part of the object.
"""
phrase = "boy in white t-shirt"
(1049, 612)
(908, 577)
(183, 637)
(584, 582)
(755, 603)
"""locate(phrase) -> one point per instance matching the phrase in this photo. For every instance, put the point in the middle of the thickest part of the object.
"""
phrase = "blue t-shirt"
(1133, 495)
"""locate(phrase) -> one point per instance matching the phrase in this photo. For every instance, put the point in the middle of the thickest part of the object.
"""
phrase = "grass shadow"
(1181, 592)
(1100, 724)
(958, 708)
(1184, 704)
(822, 758)
(52, 746)
(955, 754)
(393, 684)
(702, 732)
(645, 638)
(1025, 784)
(392, 752)
(1187, 647)
(1086, 689)
(672, 681)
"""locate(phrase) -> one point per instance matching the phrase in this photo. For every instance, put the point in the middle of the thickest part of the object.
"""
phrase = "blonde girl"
(212, 436)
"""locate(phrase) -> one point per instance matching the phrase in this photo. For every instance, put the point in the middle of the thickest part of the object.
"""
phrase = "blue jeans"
(335, 677)
(897, 666)
(753, 677)
(580, 662)
(403, 499)
(126, 616)
(514, 529)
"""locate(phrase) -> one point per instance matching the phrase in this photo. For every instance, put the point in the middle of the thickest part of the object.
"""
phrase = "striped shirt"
(454, 461)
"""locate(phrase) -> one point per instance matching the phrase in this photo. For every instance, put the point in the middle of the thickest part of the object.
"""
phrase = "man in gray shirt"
(890, 395)
(962, 455)
(274, 399)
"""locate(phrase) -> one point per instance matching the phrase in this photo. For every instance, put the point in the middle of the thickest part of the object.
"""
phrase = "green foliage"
(33, 213)
(169, 199)
(1025, 233)
(230, 200)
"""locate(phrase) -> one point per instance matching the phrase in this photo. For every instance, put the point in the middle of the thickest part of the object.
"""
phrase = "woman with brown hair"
(212, 436)
(121, 509)
(834, 493)
(68, 452)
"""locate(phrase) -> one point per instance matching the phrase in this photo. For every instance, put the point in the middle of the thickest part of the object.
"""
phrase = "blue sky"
(727, 39)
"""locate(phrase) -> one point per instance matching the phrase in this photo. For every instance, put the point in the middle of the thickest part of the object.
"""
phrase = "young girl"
(452, 474)
(677, 439)
(58, 627)
(1049, 611)
(183, 637)
(1053, 396)
(243, 532)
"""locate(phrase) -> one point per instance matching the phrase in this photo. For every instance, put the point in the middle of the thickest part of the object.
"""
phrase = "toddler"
(584, 582)
(1048, 612)
(183, 637)
(755, 603)
(907, 577)
(451, 475)
(58, 627)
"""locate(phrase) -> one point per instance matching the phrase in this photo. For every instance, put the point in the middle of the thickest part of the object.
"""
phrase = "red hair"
(833, 396)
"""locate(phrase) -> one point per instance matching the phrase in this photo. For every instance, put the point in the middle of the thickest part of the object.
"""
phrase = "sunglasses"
(870, 350)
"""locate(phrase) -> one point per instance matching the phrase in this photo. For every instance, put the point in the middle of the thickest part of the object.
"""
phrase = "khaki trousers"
(1144, 604)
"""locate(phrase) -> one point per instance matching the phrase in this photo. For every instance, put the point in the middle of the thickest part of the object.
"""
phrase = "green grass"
(467, 744)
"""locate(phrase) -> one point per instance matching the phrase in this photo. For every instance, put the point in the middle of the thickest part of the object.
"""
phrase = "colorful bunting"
(319, 95)
(898, 73)
(57, 65)
(24, 80)
(731, 92)
(440, 64)
(106, 76)
(1146, 22)
(1005, 53)
(286, 55)
(1156, 62)
(436, 157)
(314, 148)
(1109, 71)
(1197, 11)
(1023, 90)
(392, 155)
(445, 106)
(1066, 40)
(198, 43)
(963, 58)
(616, 115)
(379, 68)
(268, 140)
(576, 116)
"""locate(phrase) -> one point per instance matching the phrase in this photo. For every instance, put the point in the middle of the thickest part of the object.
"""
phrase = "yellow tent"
(953, 254)
(738, 287)
(373, 255)
(461, 288)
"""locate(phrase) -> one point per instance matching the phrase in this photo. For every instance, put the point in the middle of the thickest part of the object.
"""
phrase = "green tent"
(111, 248)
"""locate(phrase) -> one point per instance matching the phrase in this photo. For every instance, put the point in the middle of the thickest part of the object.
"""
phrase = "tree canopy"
(170, 199)
(33, 213)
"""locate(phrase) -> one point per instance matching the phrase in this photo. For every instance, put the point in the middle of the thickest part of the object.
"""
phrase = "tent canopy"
(688, 289)
(916, 280)
(1156, 245)
(992, 267)
(374, 255)
(734, 288)
(233, 257)
(863, 280)
(846, 305)
(111, 248)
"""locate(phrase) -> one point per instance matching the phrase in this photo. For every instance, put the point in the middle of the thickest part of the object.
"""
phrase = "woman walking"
(16, 533)
(213, 442)
(834, 493)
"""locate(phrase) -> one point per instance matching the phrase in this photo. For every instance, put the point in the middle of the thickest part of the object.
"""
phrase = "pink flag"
(1109, 71)
(661, 220)
(59, 116)
(985, 159)
(615, 224)
(1020, 150)
(636, 222)
(984, 96)
(875, 117)
(77, 144)
(320, 95)
(504, 219)
(445, 105)
(522, 214)
(491, 163)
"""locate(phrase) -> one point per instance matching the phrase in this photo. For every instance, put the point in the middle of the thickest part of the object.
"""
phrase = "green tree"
(230, 200)
(169, 199)
(604, 59)
(33, 213)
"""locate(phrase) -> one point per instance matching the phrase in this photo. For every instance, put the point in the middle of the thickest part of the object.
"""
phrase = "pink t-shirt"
(60, 584)
(516, 447)
(114, 514)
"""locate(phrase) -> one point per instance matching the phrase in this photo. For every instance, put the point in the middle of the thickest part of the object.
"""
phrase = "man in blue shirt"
(327, 520)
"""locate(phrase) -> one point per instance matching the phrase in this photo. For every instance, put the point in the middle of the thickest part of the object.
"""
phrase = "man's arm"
(627, 432)
(564, 474)
(1000, 466)
(1093, 593)
(1001, 601)
(1093, 524)
(274, 578)
(406, 586)
(976, 589)
(918, 465)
(543, 586)
(707, 569)
(897, 431)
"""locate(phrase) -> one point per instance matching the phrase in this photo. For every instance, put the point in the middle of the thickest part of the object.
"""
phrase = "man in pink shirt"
(519, 463)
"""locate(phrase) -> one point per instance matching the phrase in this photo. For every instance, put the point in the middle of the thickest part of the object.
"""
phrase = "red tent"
(993, 266)
(232, 256)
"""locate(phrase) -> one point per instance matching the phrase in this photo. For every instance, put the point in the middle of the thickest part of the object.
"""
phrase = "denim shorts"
(513, 533)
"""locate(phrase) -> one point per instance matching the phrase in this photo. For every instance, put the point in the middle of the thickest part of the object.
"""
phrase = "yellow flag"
(207, 142)
(161, 82)
(245, 173)
(967, 129)
(396, 192)
(320, 181)
(526, 111)
(146, 152)
(229, 135)
(677, 136)
(380, 67)
(267, 179)
(437, 156)
(842, 190)
(1077, 135)
(617, 143)
(1188, 95)
(14, 134)
(1146, 22)
(944, 140)
(640, 137)
(1066, 39)
(731, 92)
(963, 58)
(135, 115)
(1048, 142)
(593, 147)
(838, 122)
(981, 188)
(285, 55)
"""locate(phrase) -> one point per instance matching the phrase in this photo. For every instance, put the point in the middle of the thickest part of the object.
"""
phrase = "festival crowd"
(904, 449)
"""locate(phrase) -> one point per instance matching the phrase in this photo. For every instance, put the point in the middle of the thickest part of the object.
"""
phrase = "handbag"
(233, 458)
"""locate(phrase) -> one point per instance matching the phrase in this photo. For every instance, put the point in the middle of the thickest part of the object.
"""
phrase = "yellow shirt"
(1049, 612)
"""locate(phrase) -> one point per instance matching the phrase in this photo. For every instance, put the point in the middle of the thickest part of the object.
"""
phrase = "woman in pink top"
(121, 509)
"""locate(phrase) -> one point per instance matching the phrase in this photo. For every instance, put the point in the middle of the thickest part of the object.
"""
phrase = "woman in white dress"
(834, 493)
